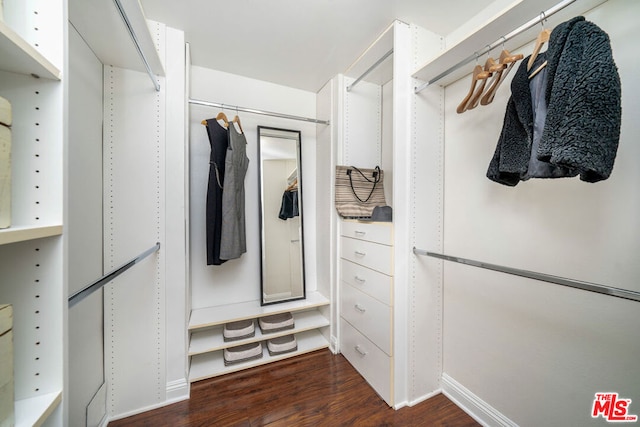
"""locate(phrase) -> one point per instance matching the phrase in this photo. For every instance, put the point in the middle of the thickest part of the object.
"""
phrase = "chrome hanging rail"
(585, 286)
(488, 48)
(369, 70)
(91, 288)
(136, 43)
(254, 111)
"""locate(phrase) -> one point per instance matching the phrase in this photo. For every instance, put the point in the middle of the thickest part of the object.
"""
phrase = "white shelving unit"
(206, 343)
(32, 250)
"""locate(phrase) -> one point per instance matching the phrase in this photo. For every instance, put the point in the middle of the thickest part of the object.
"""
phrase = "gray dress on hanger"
(233, 241)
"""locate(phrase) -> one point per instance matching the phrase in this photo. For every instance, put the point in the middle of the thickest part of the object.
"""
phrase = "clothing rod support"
(586, 286)
(136, 43)
(369, 70)
(488, 48)
(101, 282)
(254, 111)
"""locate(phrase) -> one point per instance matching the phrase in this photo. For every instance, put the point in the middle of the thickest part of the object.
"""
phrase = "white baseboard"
(425, 397)
(477, 408)
(178, 390)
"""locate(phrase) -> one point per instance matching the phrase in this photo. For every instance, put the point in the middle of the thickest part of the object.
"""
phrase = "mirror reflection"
(282, 260)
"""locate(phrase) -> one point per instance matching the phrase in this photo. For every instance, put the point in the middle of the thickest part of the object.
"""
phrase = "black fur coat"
(583, 98)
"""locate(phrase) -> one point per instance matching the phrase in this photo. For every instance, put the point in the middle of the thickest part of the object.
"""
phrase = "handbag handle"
(376, 180)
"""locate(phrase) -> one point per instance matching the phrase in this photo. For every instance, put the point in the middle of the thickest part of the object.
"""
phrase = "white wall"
(239, 280)
(536, 352)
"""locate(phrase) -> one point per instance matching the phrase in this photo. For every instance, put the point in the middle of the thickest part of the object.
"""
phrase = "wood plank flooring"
(316, 389)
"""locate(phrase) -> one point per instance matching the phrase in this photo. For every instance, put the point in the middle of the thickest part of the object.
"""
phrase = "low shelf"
(211, 364)
(34, 411)
(211, 339)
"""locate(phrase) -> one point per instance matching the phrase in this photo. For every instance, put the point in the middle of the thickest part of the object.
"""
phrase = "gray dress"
(233, 241)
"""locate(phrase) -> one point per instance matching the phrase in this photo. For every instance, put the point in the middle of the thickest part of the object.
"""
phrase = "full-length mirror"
(282, 246)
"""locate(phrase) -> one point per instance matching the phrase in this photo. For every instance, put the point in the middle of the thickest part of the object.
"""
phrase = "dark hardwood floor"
(316, 389)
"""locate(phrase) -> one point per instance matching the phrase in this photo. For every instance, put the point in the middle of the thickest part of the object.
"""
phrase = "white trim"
(178, 390)
(477, 408)
(425, 397)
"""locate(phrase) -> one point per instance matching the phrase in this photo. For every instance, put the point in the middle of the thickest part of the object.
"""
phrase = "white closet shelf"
(36, 410)
(24, 233)
(218, 315)
(482, 34)
(210, 365)
(212, 340)
(18, 56)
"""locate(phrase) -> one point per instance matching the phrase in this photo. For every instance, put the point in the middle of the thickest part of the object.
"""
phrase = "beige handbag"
(358, 191)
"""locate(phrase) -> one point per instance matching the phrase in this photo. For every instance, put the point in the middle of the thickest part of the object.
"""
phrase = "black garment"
(583, 97)
(219, 141)
(289, 207)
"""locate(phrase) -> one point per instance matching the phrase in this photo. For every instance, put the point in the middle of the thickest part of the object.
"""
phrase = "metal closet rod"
(585, 286)
(254, 111)
(488, 48)
(101, 282)
(136, 43)
(369, 70)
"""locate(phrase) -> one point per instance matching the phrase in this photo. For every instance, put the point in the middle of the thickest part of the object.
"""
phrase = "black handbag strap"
(375, 180)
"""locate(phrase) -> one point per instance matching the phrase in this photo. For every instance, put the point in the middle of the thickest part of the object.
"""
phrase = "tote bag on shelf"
(358, 191)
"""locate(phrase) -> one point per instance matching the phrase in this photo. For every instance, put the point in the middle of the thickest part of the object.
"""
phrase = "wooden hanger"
(223, 117)
(475, 76)
(236, 119)
(537, 70)
(542, 38)
(293, 186)
(490, 67)
(509, 61)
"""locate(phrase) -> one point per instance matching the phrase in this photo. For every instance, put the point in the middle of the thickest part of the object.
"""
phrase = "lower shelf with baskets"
(207, 345)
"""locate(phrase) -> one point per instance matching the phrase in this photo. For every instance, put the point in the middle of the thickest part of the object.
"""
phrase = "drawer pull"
(360, 253)
(360, 351)
(360, 233)
(359, 279)
(360, 308)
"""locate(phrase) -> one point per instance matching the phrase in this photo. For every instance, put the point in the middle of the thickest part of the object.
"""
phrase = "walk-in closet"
(173, 185)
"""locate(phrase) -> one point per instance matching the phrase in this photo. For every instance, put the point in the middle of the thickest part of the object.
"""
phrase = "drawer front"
(371, 255)
(369, 360)
(368, 315)
(370, 282)
(379, 232)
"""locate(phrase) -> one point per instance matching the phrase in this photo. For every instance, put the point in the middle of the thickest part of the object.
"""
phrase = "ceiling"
(300, 44)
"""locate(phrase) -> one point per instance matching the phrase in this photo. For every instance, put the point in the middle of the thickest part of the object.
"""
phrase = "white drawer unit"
(368, 315)
(371, 255)
(366, 302)
(371, 282)
(378, 232)
(371, 362)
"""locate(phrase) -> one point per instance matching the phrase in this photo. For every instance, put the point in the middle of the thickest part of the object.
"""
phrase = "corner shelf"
(24, 233)
(18, 56)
